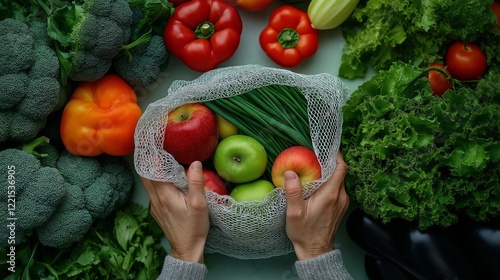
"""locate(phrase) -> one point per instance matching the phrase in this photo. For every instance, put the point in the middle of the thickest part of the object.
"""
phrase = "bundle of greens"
(421, 157)
(380, 32)
(125, 245)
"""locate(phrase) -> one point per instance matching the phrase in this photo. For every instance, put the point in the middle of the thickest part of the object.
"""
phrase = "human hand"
(183, 218)
(312, 224)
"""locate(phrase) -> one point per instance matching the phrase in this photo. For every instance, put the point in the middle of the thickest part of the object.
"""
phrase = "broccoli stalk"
(30, 147)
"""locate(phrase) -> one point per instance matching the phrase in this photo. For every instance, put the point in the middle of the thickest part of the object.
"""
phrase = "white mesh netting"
(245, 230)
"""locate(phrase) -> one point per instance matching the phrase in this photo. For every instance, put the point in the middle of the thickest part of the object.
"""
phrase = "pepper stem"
(204, 30)
(288, 38)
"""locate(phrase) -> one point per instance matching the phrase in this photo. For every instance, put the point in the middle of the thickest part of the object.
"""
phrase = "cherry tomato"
(496, 9)
(252, 5)
(466, 61)
(438, 82)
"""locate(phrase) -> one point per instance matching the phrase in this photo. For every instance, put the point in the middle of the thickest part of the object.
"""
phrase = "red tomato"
(496, 9)
(253, 5)
(466, 61)
(438, 82)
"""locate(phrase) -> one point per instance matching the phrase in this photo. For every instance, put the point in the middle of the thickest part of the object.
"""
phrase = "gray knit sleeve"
(328, 266)
(175, 269)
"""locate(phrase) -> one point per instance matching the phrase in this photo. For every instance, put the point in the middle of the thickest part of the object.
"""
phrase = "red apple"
(299, 159)
(191, 133)
(214, 183)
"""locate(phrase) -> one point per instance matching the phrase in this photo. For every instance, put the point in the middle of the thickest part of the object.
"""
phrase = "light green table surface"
(326, 60)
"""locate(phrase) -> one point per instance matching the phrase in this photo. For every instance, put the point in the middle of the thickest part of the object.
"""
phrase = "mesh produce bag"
(245, 230)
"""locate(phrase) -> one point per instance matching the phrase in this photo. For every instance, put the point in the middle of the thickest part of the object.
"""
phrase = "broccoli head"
(142, 65)
(31, 193)
(97, 36)
(59, 195)
(95, 187)
(69, 224)
(145, 57)
(30, 88)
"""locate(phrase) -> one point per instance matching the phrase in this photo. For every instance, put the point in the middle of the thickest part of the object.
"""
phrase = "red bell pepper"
(101, 117)
(203, 33)
(177, 2)
(289, 37)
(252, 5)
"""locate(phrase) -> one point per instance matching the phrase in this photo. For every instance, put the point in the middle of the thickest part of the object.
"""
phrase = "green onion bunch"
(274, 115)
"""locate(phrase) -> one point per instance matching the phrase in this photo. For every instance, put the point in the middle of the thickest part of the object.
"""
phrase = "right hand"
(312, 224)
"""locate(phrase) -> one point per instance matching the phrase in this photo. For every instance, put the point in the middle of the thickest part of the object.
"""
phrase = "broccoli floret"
(29, 80)
(70, 223)
(144, 64)
(95, 186)
(106, 181)
(145, 57)
(97, 37)
(59, 195)
(110, 190)
(31, 194)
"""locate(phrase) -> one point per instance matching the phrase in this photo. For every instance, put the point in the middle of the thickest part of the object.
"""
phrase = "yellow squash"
(328, 14)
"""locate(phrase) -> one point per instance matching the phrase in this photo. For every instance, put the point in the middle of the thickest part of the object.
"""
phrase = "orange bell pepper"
(101, 117)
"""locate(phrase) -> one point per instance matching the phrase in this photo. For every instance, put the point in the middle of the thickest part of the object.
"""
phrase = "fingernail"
(196, 165)
(290, 175)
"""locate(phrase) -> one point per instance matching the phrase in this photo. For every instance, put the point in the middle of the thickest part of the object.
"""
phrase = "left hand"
(183, 218)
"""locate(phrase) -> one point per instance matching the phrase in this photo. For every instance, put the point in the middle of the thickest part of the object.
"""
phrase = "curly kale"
(420, 157)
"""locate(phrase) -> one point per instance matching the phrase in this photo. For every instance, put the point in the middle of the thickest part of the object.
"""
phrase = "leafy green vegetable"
(125, 245)
(421, 157)
(380, 32)
(87, 34)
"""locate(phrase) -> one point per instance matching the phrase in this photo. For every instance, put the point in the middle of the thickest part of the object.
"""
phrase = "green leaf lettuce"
(420, 157)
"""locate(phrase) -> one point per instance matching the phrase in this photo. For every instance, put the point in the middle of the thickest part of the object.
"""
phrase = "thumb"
(293, 190)
(196, 182)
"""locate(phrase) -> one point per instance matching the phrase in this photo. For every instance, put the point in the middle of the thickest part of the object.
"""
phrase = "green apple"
(226, 128)
(240, 159)
(255, 190)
